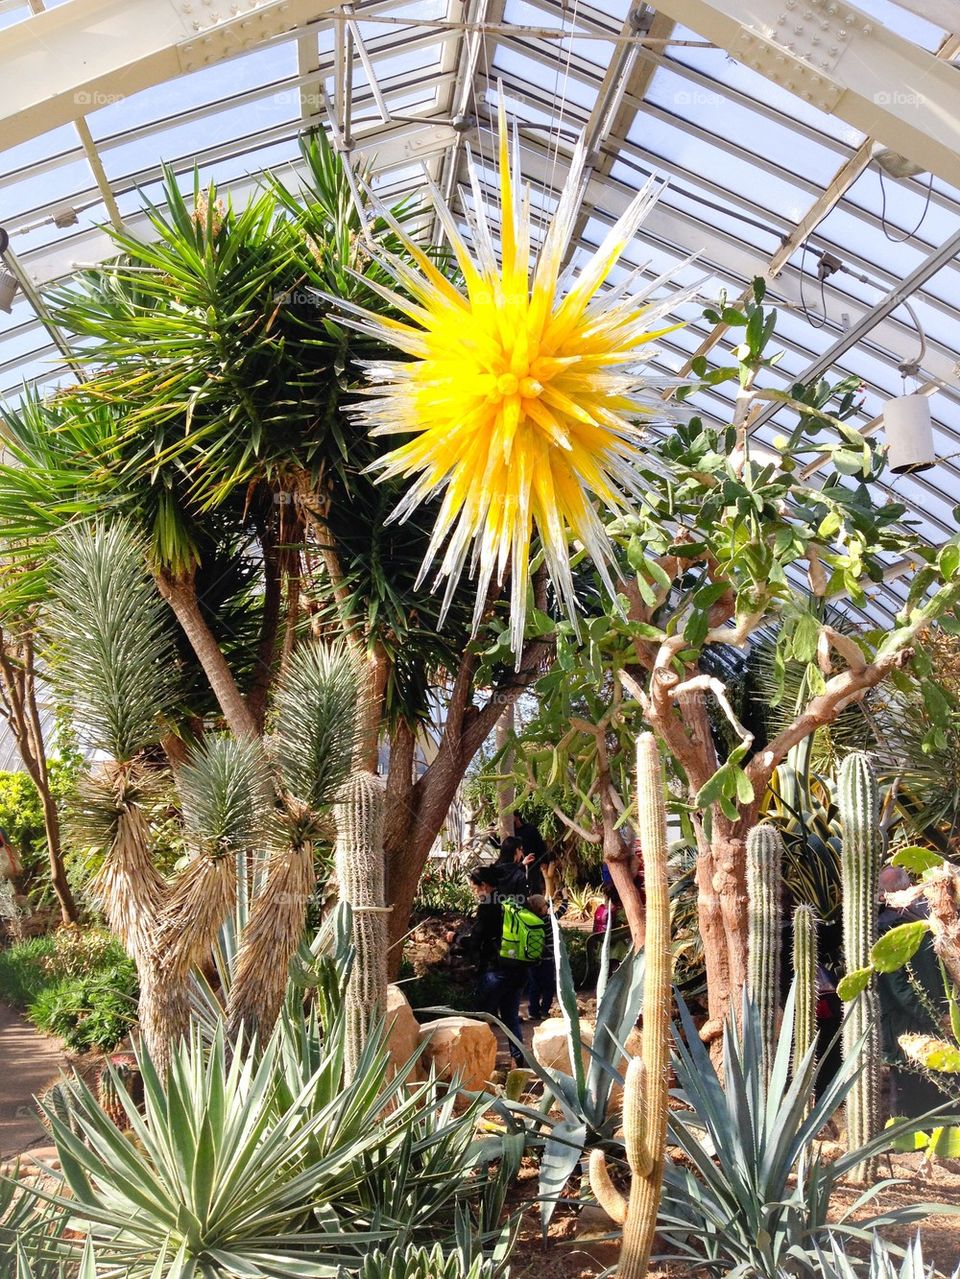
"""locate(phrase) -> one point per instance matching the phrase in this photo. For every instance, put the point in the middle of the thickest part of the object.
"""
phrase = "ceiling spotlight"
(8, 291)
(908, 429)
(896, 165)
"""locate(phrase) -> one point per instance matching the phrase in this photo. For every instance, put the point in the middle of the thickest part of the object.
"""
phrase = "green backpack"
(524, 934)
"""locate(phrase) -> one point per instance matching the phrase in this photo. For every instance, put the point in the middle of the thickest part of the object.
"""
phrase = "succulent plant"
(358, 813)
(645, 1091)
(862, 846)
(765, 890)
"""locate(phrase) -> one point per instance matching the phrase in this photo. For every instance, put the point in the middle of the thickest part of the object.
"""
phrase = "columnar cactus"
(764, 888)
(358, 813)
(645, 1093)
(805, 977)
(859, 803)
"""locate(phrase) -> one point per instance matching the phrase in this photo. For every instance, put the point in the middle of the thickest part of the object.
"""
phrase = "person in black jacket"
(510, 870)
(500, 983)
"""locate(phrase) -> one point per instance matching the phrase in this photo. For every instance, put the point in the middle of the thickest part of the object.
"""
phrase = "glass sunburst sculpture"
(521, 390)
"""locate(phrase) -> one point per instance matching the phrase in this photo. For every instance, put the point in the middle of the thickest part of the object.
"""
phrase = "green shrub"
(24, 970)
(442, 890)
(77, 984)
(88, 1012)
(21, 816)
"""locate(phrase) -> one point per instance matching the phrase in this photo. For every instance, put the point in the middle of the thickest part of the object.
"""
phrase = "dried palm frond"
(225, 795)
(130, 889)
(316, 725)
(270, 940)
(112, 650)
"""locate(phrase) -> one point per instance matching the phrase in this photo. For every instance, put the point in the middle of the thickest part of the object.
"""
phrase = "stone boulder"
(552, 1051)
(460, 1046)
(403, 1029)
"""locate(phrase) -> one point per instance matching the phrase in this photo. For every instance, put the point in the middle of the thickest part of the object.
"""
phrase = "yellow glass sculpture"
(522, 391)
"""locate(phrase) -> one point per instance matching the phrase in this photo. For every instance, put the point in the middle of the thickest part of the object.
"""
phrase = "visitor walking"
(504, 942)
(543, 973)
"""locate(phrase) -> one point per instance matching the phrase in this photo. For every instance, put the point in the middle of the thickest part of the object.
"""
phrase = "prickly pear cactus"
(358, 814)
(645, 1091)
(765, 890)
(859, 803)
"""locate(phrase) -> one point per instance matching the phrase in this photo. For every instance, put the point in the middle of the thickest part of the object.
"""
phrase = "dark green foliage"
(437, 988)
(79, 986)
(88, 1012)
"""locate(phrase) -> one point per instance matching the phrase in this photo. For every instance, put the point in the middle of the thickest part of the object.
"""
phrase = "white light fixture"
(8, 291)
(909, 434)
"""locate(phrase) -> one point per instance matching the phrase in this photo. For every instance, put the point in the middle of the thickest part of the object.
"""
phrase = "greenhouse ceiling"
(812, 142)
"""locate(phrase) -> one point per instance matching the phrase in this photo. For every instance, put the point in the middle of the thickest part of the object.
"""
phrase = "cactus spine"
(359, 863)
(764, 889)
(805, 976)
(645, 1093)
(859, 803)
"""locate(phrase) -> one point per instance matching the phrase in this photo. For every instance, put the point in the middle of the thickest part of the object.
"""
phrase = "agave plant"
(269, 1161)
(754, 1195)
(426, 1263)
(886, 1262)
(576, 1112)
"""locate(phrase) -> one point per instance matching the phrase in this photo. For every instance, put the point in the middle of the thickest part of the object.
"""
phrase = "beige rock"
(552, 1050)
(403, 1029)
(460, 1046)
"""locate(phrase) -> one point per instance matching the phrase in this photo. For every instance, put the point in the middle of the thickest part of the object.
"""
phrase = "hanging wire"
(807, 314)
(901, 239)
(548, 190)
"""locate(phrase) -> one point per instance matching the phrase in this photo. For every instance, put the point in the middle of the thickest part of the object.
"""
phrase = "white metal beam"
(66, 61)
(844, 62)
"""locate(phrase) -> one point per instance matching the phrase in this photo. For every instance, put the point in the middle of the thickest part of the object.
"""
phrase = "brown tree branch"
(841, 691)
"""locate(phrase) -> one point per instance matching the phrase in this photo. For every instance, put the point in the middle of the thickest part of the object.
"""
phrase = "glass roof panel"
(155, 108)
(746, 160)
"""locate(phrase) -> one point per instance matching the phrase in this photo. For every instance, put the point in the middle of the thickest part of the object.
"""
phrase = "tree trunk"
(506, 791)
(180, 593)
(376, 672)
(19, 693)
(714, 937)
(58, 873)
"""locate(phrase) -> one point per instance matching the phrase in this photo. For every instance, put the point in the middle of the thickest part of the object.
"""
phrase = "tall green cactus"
(805, 977)
(859, 803)
(358, 813)
(645, 1093)
(765, 890)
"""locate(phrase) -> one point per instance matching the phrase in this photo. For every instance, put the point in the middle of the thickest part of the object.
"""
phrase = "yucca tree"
(112, 659)
(226, 370)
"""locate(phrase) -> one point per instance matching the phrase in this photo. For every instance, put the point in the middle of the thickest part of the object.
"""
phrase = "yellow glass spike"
(523, 393)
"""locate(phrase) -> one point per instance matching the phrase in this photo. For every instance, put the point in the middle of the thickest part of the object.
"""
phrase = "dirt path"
(28, 1062)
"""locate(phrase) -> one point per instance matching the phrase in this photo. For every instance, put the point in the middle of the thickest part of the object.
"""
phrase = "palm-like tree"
(214, 351)
(112, 658)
